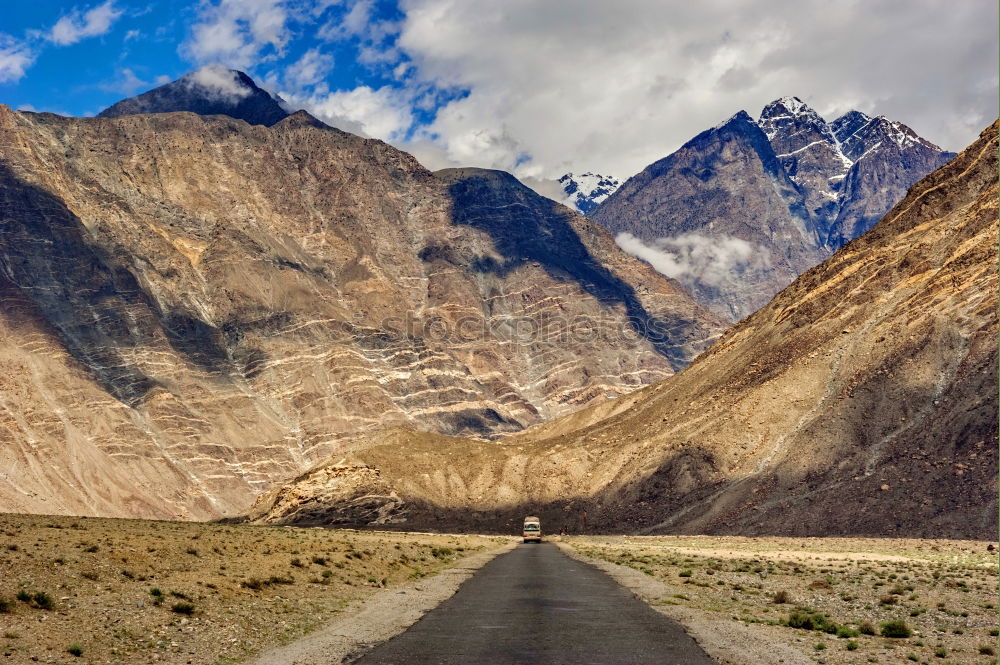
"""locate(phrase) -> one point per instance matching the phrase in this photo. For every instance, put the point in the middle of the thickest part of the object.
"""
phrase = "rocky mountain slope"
(742, 209)
(211, 90)
(194, 307)
(862, 400)
(586, 191)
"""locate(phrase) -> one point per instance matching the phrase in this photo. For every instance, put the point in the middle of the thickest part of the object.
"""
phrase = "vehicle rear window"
(531, 527)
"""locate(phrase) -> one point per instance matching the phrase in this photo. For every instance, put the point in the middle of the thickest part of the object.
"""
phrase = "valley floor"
(133, 591)
(740, 596)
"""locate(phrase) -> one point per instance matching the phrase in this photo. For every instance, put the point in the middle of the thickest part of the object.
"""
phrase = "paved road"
(537, 605)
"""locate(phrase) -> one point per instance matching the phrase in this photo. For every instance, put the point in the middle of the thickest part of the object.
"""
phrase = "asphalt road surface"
(537, 605)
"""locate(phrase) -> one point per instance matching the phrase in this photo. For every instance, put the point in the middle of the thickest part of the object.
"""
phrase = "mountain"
(194, 308)
(742, 209)
(587, 191)
(211, 90)
(860, 401)
(720, 215)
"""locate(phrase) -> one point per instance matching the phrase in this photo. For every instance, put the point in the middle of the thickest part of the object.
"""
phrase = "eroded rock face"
(195, 308)
(861, 401)
(742, 209)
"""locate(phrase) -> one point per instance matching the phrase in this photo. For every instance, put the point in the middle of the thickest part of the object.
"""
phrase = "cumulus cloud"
(78, 25)
(240, 33)
(618, 85)
(15, 58)
(695, 258)
(219, 82)
(381, 113)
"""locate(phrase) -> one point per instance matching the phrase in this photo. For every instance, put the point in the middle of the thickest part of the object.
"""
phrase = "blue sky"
(537, 87)
(135, 46)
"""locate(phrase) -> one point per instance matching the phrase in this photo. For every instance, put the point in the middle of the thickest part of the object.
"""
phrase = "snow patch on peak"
(586, 191)
(794, 105)
(739, 115)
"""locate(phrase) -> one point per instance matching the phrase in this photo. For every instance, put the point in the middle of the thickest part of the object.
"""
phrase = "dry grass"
(132, 591)
(839, 588)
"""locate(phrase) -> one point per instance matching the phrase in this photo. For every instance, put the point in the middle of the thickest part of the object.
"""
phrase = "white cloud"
(126, 83)
(78, 25)
(218, 81)
(131, 34)
(381, 113)
(15, 58)
(615, 86)
(698, 258)
(239, 33)
(309, 70)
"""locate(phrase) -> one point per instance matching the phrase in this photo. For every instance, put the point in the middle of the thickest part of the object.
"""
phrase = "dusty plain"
(88, 590)
(740, 597)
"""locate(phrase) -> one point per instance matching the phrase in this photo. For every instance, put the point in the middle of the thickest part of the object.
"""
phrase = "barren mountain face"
(194, 308)
(862, 400)
(742, 209)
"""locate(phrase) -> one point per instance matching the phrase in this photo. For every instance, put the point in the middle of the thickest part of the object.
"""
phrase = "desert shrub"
(802, 620)
(987, 650)
(42, 600)
(684, 573)
(845, 631)
(781, 597)
(74, 650)
(896, 628)
(183, 607)
(6, 605)
(866, 628)
(319, 560)
(297, 562)
(852, 645)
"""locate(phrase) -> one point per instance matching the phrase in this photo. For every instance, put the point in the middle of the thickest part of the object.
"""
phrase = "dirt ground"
(741, 597)
(137, 592)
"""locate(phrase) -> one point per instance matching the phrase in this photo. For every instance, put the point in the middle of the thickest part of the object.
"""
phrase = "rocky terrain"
(742, 209)
(194, 308)
(861, 400)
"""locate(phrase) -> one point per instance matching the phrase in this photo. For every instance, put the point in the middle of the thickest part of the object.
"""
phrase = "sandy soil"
(130, 592)
(724, 591)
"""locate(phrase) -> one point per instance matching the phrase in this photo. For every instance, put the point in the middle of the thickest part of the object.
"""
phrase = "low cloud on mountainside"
(697, 258)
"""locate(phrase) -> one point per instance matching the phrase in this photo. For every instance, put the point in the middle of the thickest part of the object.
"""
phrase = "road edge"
(367, 623)
(724, 640)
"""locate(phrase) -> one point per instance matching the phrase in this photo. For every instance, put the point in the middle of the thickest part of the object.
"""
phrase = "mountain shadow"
(527, 227)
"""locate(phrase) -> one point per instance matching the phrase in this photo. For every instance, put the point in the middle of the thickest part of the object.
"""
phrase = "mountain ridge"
(831, 181)
(773, 429)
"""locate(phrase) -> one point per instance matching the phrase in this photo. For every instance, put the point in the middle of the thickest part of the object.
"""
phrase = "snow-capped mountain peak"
(586, 191)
